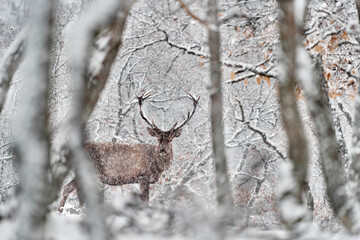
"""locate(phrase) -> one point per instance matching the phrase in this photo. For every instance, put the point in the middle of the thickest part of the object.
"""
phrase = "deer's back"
(120, 163)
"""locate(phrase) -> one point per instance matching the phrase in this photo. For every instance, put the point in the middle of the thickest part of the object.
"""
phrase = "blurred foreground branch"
(88, 83)
(32, 133)
(292, 209)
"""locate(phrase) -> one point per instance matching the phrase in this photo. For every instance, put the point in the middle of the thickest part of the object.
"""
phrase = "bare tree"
(224, 198)
(37, 194)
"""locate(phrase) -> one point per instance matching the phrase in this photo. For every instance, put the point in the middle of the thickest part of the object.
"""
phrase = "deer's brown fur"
(120, 164)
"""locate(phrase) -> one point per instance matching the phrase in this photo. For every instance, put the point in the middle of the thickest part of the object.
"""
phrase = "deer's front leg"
(144, 188)
(68, 188)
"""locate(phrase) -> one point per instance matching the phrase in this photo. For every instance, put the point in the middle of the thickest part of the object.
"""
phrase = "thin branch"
(345, 112)
(10, 63)
(235, 64)
(191, 14)
(263, 135)
(230, 17)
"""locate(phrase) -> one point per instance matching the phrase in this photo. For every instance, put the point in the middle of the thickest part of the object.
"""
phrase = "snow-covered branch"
(256, 69)
(10, 63)
(263, 134)
(345, 112)
(191, 14)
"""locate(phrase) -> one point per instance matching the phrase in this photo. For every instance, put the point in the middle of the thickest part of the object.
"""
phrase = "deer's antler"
(149, 93)
(189, 115)
(141, 98)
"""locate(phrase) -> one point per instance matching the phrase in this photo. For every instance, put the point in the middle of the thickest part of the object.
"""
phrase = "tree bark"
(354, 172)
(224, 198)
(318, 103)
(291, 203)
(32, 132)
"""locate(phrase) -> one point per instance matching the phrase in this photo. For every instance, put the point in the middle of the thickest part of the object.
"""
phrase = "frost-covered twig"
(342, 148)
(191, 14)
(235, 64)
(257, 69)
(188, 171)
(263, 135)
(345, 112)
(32, 133)
(10, 63)
(231, 16)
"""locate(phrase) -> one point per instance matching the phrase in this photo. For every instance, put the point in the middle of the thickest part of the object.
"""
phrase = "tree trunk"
(354, 172)
(32, 133)
(291, 203)
(223, 197)
(319, 106)
(88, 84)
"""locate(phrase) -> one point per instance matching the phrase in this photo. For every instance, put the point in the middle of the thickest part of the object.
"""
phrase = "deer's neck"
(164, 162)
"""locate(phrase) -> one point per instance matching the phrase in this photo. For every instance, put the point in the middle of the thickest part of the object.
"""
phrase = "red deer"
(120, 164)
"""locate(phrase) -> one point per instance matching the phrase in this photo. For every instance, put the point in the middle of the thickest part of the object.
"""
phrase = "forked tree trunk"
(87, 88)
(318, 103)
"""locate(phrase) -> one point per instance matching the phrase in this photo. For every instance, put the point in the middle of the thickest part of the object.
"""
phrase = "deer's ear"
(177, 132)
(151, 131)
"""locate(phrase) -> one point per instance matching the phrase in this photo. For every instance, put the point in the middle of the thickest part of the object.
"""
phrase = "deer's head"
(165, 138)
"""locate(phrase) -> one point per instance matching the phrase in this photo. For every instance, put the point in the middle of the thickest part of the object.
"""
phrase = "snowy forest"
(179, 119)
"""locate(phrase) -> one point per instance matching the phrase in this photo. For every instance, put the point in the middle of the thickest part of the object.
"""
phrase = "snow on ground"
(68, 227)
